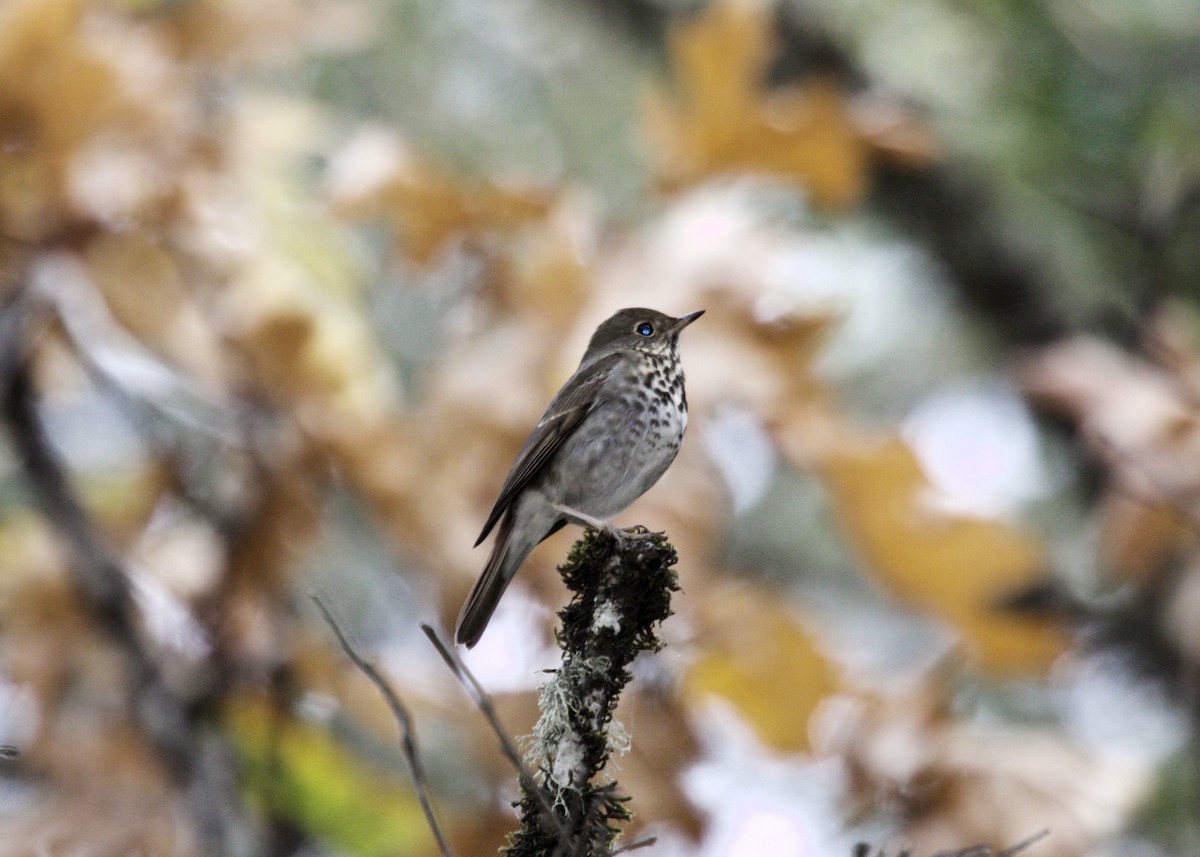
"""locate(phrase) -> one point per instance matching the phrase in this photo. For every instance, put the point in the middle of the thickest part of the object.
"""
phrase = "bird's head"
(638, 329)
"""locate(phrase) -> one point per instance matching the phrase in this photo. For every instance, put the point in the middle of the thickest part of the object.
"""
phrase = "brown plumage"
(606, 437)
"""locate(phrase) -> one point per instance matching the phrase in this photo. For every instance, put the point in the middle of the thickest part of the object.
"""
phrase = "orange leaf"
(719, 58)
(764, 662)
(378, 176)
(722, 119)
(958, 566)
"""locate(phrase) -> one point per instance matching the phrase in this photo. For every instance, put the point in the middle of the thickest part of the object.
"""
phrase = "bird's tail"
(511, 547)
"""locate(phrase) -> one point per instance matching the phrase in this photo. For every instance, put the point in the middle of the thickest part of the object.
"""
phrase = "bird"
(605, 439)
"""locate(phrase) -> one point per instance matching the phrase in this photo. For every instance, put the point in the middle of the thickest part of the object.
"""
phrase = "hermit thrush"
(606, 437)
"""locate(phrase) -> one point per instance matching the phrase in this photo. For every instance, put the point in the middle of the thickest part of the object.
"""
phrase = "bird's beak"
(684, 321)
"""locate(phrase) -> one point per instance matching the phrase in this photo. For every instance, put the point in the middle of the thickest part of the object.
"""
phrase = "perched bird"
(606, 437)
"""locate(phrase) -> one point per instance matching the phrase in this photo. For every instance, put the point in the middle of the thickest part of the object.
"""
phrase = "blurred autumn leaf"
(305, 774)
(958, 566)
(722, 118)
(190, 247)
(761, 660)
(377, 177)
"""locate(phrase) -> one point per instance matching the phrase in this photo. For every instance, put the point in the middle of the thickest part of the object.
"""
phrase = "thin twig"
(634, 846)
(986, 850)
(404, 720)
(1024, 843)
(484, 703)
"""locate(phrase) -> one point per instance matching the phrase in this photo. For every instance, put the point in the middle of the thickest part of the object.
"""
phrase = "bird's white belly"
(618, 463)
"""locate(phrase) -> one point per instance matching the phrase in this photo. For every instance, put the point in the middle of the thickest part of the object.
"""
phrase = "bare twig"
(484, 703)
(408, 741)
(862, 849)
(634, 846)
(1024, 843)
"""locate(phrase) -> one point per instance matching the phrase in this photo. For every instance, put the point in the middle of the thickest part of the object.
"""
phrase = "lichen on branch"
(621, 594)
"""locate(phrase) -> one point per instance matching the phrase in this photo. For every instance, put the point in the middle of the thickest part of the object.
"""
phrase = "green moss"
(636, 576)
(621, 594)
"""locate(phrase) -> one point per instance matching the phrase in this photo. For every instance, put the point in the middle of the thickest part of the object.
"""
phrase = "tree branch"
(622, 592)
(102, 585)
(484, 703)
(170, 723)
(408, 741)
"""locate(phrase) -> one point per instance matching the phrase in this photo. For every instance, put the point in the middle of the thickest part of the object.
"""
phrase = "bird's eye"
(645, 329)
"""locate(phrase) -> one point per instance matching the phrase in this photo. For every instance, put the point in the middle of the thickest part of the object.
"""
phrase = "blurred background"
(286, 283)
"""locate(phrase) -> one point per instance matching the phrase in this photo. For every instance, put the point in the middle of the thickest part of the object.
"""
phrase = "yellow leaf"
(719, 57)
(722, 118)
(378, 176)
(758, 657)
(123, 499)
(302, 772)
(959, 567)
(144, 289)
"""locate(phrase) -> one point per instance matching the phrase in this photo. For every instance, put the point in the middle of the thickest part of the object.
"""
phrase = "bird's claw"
(621, 535)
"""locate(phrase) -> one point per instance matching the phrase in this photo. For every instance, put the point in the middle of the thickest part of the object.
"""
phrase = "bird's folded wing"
(565, 412)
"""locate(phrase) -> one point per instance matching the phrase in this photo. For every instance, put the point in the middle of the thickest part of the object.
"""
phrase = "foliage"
(251, 345)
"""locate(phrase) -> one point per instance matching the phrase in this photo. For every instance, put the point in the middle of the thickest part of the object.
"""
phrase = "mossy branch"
(621, 594)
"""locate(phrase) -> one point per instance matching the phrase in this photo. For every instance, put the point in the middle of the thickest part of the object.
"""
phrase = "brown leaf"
(143, 287)
(1140, 541)
(955, 781)
(959, 567)
(758, 657)
(43, 61)
(1141, 418)
(378, 176)
(722, 119)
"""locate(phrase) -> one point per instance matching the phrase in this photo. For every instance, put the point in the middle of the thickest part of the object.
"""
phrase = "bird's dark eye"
(645, 329)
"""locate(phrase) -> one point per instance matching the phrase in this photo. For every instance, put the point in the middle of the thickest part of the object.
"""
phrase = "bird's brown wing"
(563, 415)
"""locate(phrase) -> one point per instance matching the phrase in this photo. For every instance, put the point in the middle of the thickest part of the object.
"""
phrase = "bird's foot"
(620, 535)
